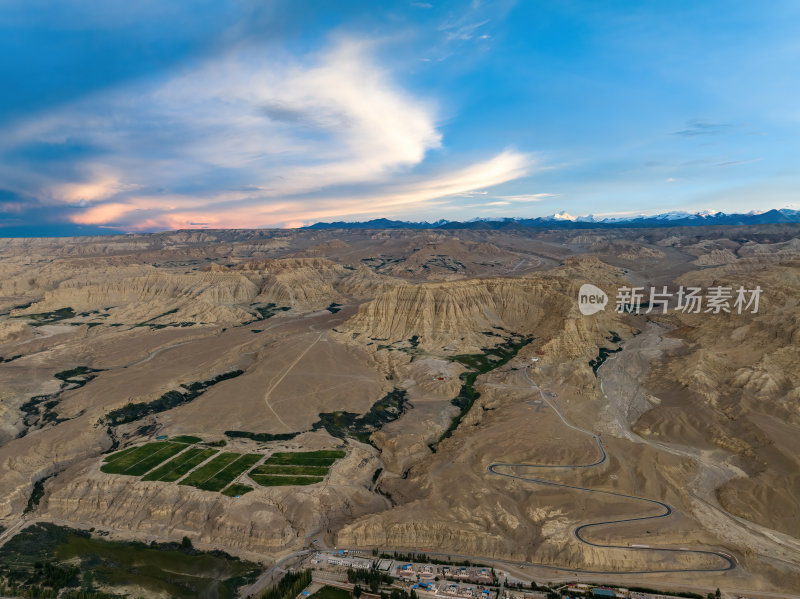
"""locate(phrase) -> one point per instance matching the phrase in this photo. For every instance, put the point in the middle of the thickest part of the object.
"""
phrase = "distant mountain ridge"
(562, 220)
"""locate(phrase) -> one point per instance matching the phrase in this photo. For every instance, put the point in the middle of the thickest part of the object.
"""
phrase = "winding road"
(729, 563)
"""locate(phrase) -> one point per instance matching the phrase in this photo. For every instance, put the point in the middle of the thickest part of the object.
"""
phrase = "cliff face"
(131, 294)
(38, 455)
(458, 314)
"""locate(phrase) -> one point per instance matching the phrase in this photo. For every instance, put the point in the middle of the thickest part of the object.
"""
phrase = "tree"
(717, 594)
(87, 580)
(186, 543)
(357, 591)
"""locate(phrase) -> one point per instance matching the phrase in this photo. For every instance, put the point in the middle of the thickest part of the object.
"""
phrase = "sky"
(121, 116)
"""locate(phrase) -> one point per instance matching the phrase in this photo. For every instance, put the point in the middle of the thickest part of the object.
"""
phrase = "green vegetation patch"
(325, 457)
(479, 364)
(329, 592)
(149, 320)
(266, 480)
(65, 375)
(295, 468)
(153, 460)
(119, 454)
(269, 310)
(237, 489)
(202, 474)
(36, 494)
(44, 559)
(261, 437)
(80, 375)
(43, 318)
(228, 474)
(219, 443)
(302, 470)
(602, 356)
(41, 410)
(170, 399)
(190, 439)
(341, 424)
(119, 462)
(289, 586)
(176, 468)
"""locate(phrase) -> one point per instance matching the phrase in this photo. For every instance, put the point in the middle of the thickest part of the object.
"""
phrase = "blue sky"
(120, 116)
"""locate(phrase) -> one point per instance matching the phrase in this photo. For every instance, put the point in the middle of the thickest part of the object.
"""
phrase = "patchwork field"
(209, 469)
(295, 468)
(142, 459)
(181, 465)
(223, 477)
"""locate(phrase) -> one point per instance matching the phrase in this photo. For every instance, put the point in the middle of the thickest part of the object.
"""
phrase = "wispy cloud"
(529, 197)
(737, 162)
(251, 140)
(700, 127)
(462, 31)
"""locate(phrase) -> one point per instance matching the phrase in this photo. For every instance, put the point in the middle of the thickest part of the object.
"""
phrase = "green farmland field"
(154, 459)
(306, 458)
(121, 462)
(302, 470)
(204, 473)
(119, 454)
(176, 468)
(225, 476)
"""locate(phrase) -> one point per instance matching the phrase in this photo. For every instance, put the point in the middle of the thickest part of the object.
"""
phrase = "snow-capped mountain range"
(563, 220)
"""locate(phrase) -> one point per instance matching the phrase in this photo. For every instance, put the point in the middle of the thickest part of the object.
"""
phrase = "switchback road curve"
(728, 561)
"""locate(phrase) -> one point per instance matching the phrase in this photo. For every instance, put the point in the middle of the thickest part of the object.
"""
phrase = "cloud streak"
(252, 140)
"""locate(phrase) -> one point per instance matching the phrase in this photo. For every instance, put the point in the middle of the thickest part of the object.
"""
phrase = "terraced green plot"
(290, 470)
(119, 454)
(225, 476)
(295, 468)
(176, 468)
(155, 459)
(306, 458)
(267, 480)
(237, 489)
(205, 472)
(131, 461)
(209, 470)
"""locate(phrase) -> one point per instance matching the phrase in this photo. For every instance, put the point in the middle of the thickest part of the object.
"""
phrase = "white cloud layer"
(254, 140)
